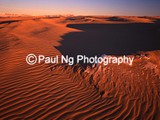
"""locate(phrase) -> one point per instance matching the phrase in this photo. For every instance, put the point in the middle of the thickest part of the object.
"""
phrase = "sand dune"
(59, 91)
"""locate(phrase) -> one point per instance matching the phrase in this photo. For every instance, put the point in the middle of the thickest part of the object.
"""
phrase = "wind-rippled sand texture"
(46, 92)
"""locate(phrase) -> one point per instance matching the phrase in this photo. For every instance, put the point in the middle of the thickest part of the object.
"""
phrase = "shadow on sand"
(9, 21)
(110, 39)
(116, 19)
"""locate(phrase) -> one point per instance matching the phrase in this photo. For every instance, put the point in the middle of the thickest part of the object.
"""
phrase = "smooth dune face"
(60, 91)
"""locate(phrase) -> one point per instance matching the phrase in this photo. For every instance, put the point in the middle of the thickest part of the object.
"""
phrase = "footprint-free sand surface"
(59, 91)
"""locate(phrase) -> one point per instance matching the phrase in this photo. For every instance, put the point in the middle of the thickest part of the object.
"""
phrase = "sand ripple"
(45, 92)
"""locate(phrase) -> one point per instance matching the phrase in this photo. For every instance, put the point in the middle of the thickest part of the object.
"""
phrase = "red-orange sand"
(50, 92)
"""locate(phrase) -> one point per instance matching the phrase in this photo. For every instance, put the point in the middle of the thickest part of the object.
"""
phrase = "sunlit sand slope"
(59, 91)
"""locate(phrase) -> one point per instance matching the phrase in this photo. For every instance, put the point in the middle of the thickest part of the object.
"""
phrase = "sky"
(81, 7)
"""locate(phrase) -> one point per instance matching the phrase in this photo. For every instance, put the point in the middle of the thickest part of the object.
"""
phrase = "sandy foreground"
(60, 91)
